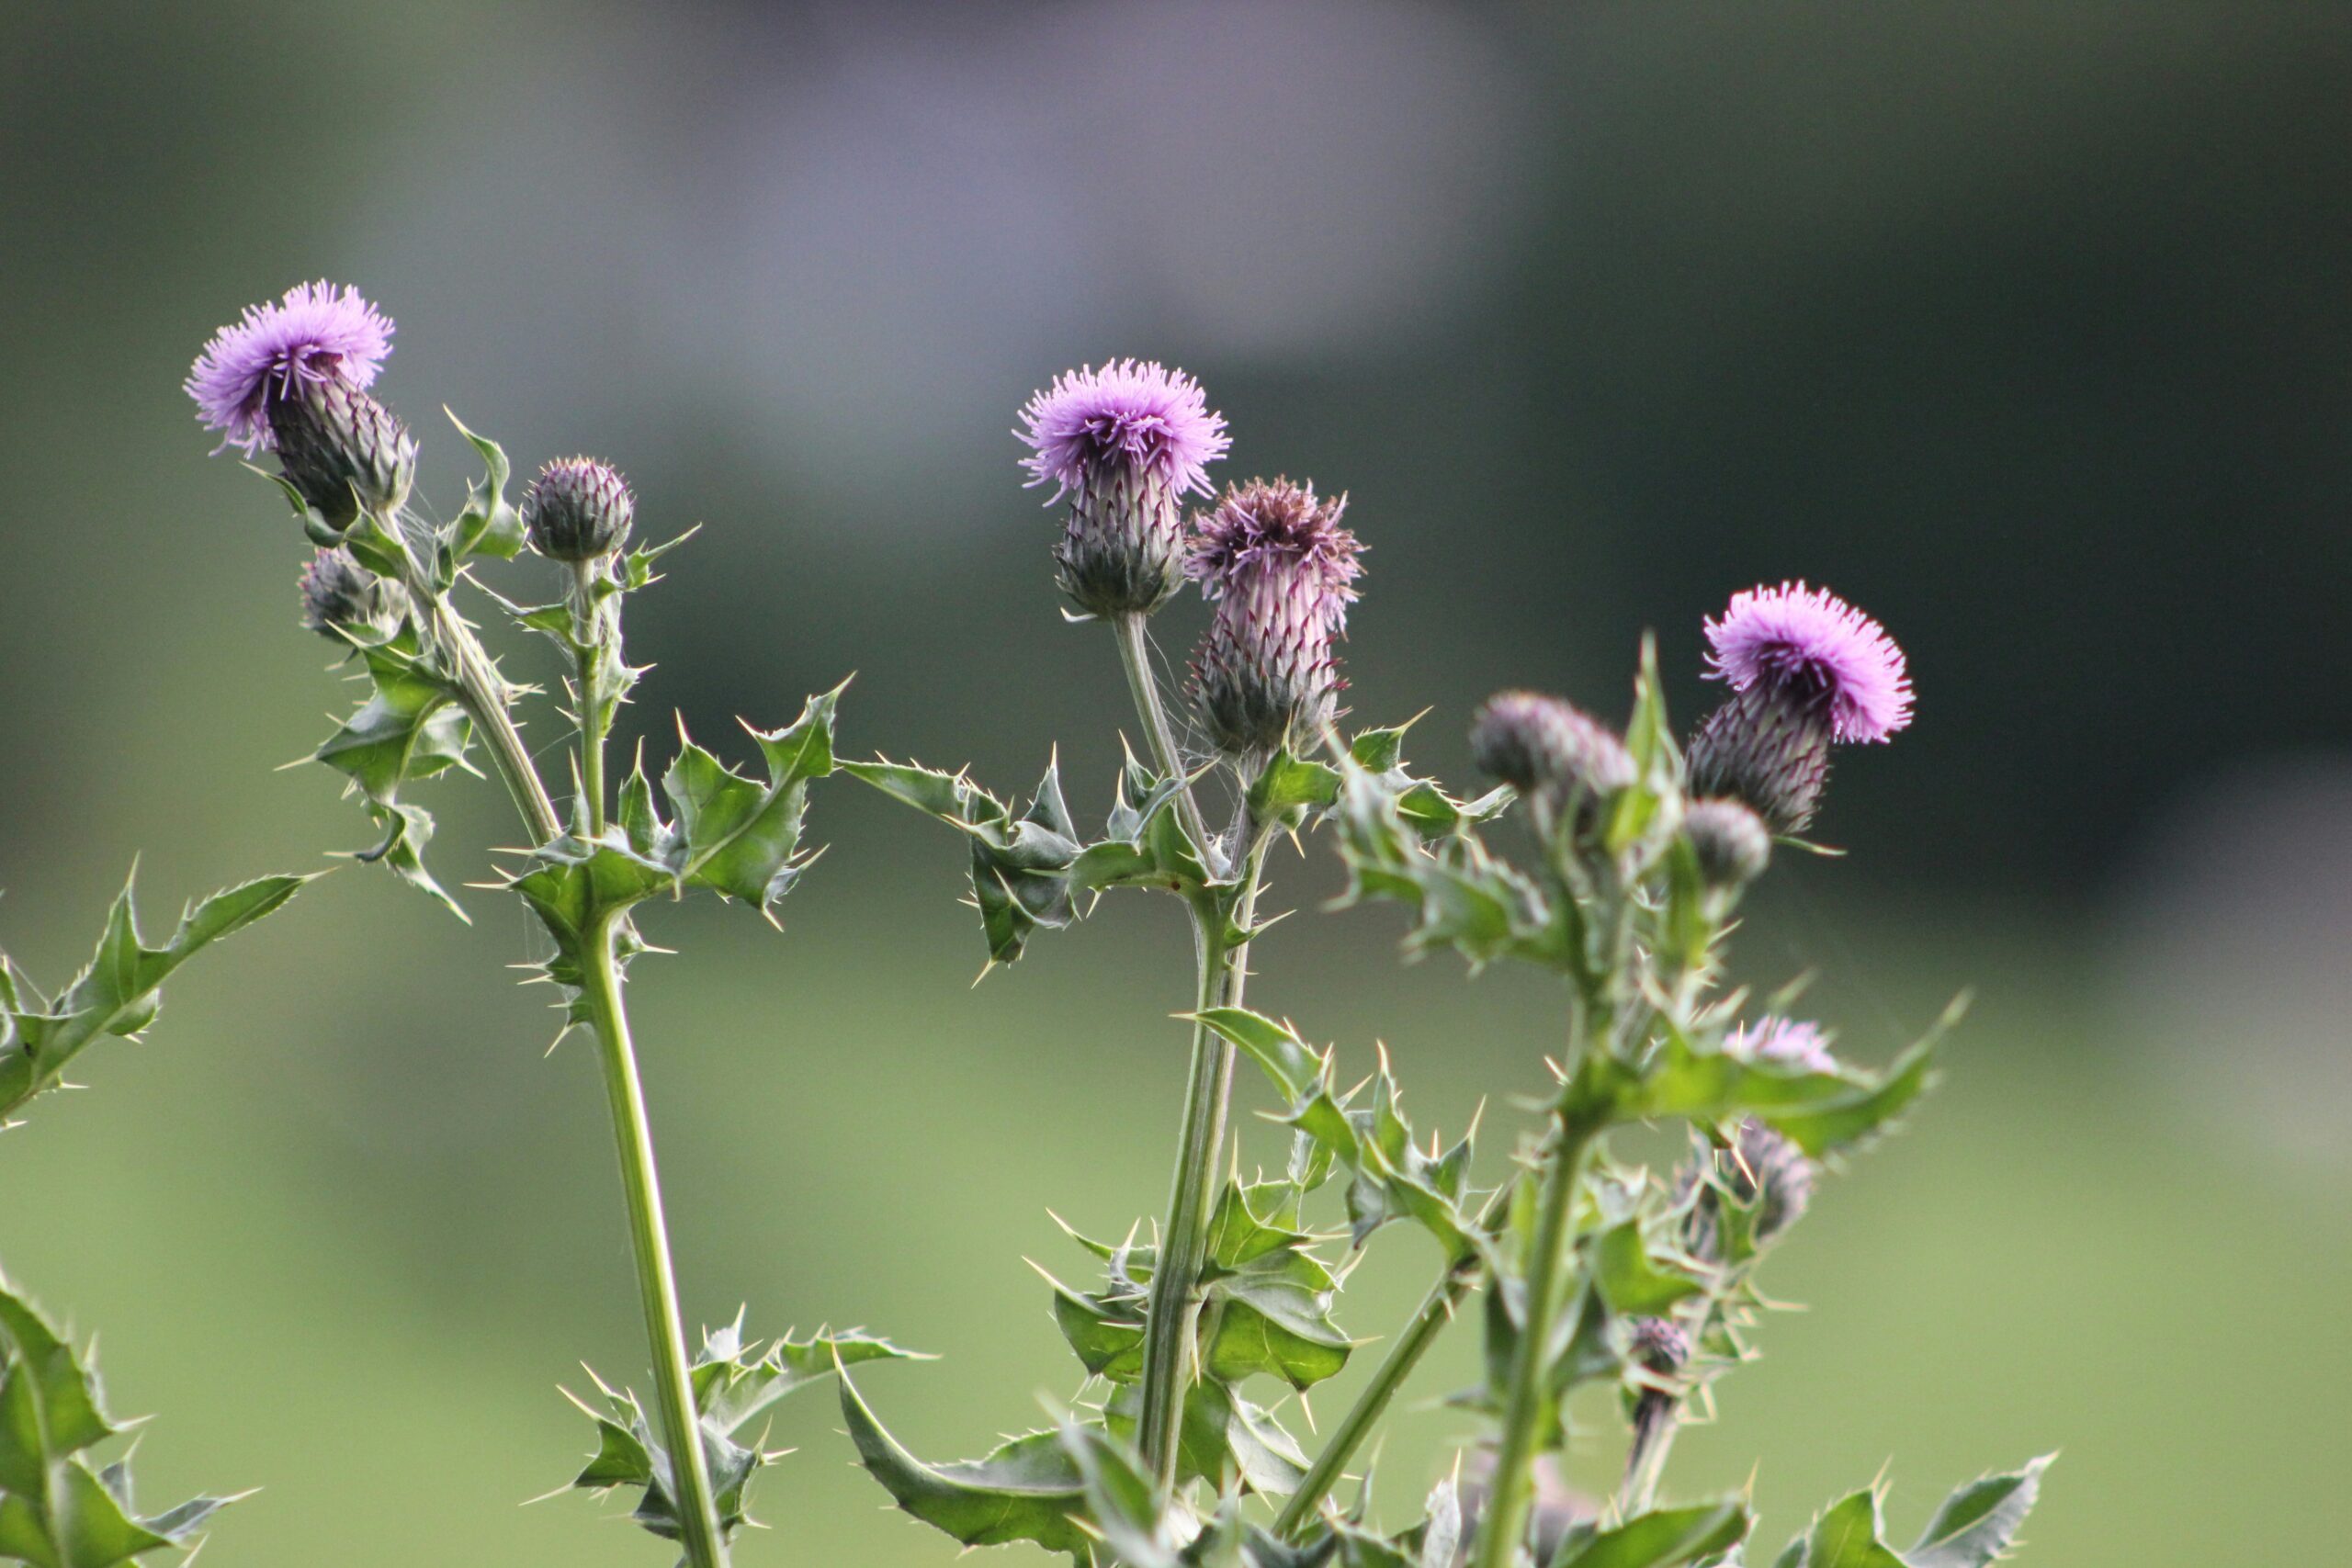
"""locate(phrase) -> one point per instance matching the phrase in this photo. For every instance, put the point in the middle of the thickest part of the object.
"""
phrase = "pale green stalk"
(657, 1285)
(485, 698)
(589, 621)
(1530, 1402)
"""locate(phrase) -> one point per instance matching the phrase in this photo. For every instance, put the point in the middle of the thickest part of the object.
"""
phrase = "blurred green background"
(2024, 326)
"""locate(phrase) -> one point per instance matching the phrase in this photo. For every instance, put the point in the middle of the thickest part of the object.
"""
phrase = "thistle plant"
(292, 378)
(1620, 876)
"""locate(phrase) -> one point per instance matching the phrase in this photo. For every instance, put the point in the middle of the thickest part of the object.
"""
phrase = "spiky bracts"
(1274, 559)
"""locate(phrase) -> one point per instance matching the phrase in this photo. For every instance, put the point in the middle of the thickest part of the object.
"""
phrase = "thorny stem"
(1405, 1353)
(1134, 657)
(483, 694)
(1527, 1412)
(590, 618)
(1175, 1305)
(657, 1284)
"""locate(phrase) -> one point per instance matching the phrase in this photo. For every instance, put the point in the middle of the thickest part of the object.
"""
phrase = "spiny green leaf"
(1665, 1538)
(487, 525)
(739, 836)
(1294, 1066)
(1979, 1522)
(118, 992)
(1029, 1489)
(1849, 1535)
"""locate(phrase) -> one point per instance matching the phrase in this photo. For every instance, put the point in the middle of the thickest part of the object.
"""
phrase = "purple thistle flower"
(1807, 670)
(1274, 559)
(1137, 414)
(1810, 645)
(1125, 443)
(1781, 1043)
(314, 333)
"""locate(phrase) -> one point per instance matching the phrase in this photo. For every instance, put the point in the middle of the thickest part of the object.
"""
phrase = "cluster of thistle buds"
(1123, 446)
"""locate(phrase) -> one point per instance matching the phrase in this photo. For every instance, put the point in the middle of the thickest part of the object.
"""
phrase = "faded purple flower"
(1124, 443)
(1534, 742)
(578, 509)
(1811, 645)
(1762, 1172)
(1136, 414)
(315, 332)
(1781, 1043)
(1274, 559)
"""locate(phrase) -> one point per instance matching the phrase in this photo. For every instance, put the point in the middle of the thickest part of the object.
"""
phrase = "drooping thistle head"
(578, 510)
(1761, 1170)
(1124, 444)
(1559, 758)
(1730, 842)
(338, 591)
(1274, 559)
(292, 377)
(1807, 669)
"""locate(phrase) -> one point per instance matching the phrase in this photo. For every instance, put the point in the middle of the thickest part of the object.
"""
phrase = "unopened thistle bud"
(339, 591)
(1275, 561)
(1732, 843)
(1548, 750)
(1763, 1171)
(293, 376)
(1807, 669)
(1124, 444)
(1660, 1347)
(578, 509)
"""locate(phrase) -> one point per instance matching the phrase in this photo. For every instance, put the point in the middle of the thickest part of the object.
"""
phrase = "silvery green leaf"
(1294, 1066)
(1849, 1535)
(1123, 1503)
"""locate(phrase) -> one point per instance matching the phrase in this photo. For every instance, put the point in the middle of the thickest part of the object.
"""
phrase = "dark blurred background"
(2025, 327)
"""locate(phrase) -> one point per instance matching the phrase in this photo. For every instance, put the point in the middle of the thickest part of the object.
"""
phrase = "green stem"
(657, 1284)
(483, 694)
(1405, 1353)
(1174, 1310)
(1134, 657)
(589, 624)
(1530, 1402)
(1645, 1466)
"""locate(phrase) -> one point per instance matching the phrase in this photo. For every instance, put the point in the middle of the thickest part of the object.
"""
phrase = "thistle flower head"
(341, 449)
(1535, 743)
(1658, 1344)
(315, 332)
(1134, 414)
(578, 509)
(1762, 1170)
(1730, 842)
(1784, 1043)
(1809, 646)
(338, 591)
(1275, 561)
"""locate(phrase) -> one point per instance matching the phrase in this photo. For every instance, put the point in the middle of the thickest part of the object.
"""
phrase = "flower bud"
(339, 591)
(1659, 1345)
(1732, 843)
(1807, 670)
(1541, 746)
(1274, 559)
(578, 510)
(1124, 444)
(1762, 1170)
(342, 450)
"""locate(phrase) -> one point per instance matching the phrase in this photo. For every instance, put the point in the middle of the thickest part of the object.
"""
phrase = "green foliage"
(118, 993)
(1663, 1538)
(734, 1384)
(1035, 869)
(56, 1509)
(738, 836)
(1975, 1525)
